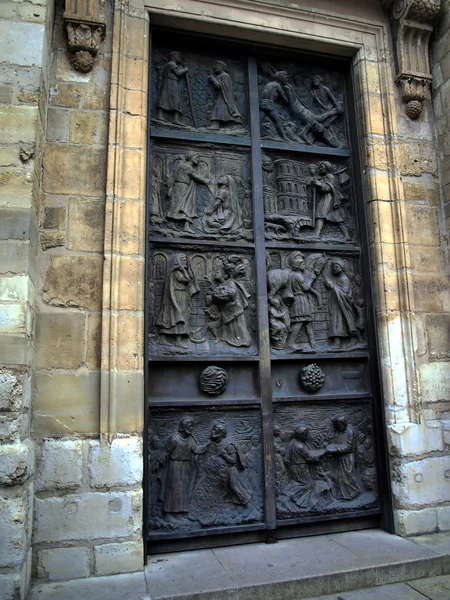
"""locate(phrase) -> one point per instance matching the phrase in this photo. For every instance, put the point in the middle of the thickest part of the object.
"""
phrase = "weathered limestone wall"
(88, 503)
(25, 31)
(420, 440)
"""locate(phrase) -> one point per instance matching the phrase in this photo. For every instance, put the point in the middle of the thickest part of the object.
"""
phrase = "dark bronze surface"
(262, 379)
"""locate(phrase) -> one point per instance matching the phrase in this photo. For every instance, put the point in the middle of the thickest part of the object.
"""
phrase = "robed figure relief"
(306, 488)
(342, 324)
(179, 464)
(225, 215)
(330, 199)
(225, 111)
(169, 101)
(231, 299)
(343, 446)
(174, 315)
(221, 478)
(182, 192)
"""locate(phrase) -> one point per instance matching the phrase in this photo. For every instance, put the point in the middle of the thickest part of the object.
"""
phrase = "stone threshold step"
(289, 570)
(297, 568)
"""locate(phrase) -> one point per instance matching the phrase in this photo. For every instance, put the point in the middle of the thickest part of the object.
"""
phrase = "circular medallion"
(213, 380)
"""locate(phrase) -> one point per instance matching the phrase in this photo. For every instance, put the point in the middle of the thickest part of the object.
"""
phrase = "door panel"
(262, 404)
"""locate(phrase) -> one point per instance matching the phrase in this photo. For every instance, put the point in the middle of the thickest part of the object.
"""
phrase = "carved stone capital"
(85, 26)
(412, 26)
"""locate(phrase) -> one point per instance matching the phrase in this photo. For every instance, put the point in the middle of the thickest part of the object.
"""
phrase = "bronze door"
(263, 404)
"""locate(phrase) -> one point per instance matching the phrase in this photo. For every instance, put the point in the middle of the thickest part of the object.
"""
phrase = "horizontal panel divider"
(312, 355)
(203, 532)
(189, 242)
(305, 148)
(180, 136)
(209, 359)
(176, 403)
(315, 247)
(324, 397)
(335, 517)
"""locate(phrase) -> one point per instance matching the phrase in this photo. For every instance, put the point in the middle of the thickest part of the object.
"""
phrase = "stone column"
(25, 30)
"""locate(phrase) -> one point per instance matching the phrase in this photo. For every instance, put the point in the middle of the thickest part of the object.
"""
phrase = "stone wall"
(25, 33)
(88, 503)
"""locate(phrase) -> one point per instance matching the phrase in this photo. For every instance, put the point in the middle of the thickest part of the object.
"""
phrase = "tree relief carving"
(307, 202)
(316, 302)
(206, 470)
(203, 302)
(301, 106)
(204, 195)
(194, 92)
(325, 461)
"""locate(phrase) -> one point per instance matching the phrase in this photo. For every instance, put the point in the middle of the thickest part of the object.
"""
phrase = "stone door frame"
(122, 403)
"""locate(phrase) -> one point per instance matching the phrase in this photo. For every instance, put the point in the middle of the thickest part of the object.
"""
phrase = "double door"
(263, 403)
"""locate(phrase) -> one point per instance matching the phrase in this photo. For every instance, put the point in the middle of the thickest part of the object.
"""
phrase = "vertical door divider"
(265, 380)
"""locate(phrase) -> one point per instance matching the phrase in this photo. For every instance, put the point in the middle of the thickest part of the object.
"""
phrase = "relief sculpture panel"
(206, 469)
(307, 201)
(316, 302)
(192, 91)
(301, 105)
(201, 193)
(202, 302)
(325, 460)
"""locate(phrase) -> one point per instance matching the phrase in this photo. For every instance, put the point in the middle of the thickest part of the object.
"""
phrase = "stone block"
(118, 464)
(54, 217)
(13, 318)
(415, 522)
(131, 215)
(28, 96)
(412, 439)
(7, 157)
(422, 225)
(63, 563)
(96, 98)
(93, 341)
(66, 94)
(23, 41)
(16, 463)
(31, 13)
(417, 157)
(445, 66)
(435, 381)
(66, 403)
(113, 559)
(422, 483)
(13, 517)
(84, 127)
(59, 340)
(16, 189)
(15, 224)
(63, 165)
(438, 333)
(10, 429)
(131, 290)
(9, 586)
(11, 389)
(60, 465)
(57, 125)
(89, 516)
(443, 518)
(74, 281)
(6, 91)
(18, 123)
(86, 225)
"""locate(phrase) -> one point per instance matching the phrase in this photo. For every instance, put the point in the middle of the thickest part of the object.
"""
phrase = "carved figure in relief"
(279, 322)
(225, 215)
(269, 186)
(231, 298)
(344, 448)
(182, 192)
(174, 315)
(169, 102)
(342, 323)
(322, 94)
(180, 467)
(225, 111)
(156, 191)
(305, 490)
(281, 475)
(272, 99)
(359, 305)
(329, 206)
(301, 312)
(220, 480)
(366, 461)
